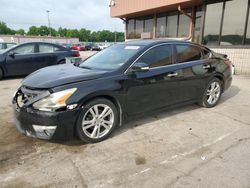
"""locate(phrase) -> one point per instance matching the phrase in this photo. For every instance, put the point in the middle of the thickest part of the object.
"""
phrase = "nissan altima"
(91, 99)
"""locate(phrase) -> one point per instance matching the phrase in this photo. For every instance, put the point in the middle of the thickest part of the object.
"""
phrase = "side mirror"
(139, 67)
(12, 54)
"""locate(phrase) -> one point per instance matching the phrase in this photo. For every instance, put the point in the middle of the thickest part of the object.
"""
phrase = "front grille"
(26, 96)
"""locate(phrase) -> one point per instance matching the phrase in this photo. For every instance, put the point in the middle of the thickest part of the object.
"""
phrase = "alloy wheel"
(98, 121)
(213, 93)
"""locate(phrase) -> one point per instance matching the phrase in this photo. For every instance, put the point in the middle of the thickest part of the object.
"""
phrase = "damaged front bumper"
(45, 125)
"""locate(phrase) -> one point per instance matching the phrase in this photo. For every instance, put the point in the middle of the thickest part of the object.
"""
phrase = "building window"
(197, 27)
(131, 29)
(234, 22)
(212, 23)
(148, 24)
(161, 26)
(184, 24)
(138, 27)
(172, 22)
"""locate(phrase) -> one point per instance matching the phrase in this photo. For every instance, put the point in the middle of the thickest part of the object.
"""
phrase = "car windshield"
(111, 58)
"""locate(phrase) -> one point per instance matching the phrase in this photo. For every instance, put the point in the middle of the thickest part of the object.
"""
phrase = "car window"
(157, 56)
(111, 58)
(9, 45)
(46, 48)
(25, 49)
(187, 53)
(206, 54)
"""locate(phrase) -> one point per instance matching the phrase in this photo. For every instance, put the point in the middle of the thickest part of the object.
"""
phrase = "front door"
(157, 87)
(20, 60)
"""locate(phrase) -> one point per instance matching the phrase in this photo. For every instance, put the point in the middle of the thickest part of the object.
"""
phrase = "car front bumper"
(45, 125)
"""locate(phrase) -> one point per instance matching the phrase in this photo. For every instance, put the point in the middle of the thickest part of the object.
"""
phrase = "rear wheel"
(97, 121)
(1, 74)
(212, 93)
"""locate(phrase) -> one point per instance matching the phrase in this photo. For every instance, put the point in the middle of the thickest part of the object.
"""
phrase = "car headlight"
(54, 101)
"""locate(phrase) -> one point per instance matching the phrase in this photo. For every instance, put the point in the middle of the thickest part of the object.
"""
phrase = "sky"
(74, 14)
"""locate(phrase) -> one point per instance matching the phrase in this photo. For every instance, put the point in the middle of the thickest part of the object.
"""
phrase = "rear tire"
(212, 93)
(97, 121)
(1, 74)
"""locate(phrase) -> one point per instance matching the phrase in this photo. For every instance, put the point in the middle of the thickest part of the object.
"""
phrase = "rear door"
(193, 70)
(46, 55)
(21, 60)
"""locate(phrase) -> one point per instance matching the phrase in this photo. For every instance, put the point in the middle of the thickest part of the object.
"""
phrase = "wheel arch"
(61, 60)
(221, 78)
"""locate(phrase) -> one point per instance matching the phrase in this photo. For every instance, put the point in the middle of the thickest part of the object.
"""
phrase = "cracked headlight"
(54, 101)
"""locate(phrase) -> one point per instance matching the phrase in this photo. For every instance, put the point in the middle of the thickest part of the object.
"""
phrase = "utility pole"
(49, 22)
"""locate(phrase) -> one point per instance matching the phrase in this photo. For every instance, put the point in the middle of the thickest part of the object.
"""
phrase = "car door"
(155, 88)
(46, 56)
(19, 61)
(193, 68)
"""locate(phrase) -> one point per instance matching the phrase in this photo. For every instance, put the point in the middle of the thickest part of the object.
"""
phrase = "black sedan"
(26, 58)
(92, 98)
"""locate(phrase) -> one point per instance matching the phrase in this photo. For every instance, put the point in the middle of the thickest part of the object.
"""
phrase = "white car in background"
(103, 45)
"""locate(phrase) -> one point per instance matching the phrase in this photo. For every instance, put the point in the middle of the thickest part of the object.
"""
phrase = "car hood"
(54, 76)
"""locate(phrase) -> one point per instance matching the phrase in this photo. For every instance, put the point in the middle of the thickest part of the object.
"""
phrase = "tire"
(212, 93)
(1, 74)
(94, 127)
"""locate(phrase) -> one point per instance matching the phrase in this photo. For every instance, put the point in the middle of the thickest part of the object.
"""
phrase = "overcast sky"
(89, 14)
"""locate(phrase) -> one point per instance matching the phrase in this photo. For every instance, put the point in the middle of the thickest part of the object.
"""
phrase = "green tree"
(5, 30)
(84, 35)
(20, 32)
(62, 32)
(33, 30)
(72, 33)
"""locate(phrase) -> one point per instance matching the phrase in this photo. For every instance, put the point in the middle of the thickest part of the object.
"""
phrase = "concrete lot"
(184, 147)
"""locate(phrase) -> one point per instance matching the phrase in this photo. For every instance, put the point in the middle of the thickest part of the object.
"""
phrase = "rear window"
(46, 48)
(186, 53)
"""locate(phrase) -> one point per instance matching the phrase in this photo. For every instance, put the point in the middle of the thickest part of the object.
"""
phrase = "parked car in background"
(26, 58)
(66, 45)
(6, 45)
(78, 47)
(102, 46)
(90, 100)
(92, 47)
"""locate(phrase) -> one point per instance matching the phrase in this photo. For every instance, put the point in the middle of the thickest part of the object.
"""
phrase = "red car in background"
(78, 47)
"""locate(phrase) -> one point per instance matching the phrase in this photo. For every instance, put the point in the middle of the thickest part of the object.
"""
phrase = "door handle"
(206, 66)
(173, 74)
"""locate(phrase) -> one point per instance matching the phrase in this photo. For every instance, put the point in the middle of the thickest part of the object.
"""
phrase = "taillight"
(229, 64)
(76, 54)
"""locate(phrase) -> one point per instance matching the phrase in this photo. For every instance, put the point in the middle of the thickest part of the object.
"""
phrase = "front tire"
(97, 121)
(212, 93)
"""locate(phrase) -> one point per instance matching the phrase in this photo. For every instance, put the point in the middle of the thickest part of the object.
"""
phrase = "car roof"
(150, 42)
(7, 42)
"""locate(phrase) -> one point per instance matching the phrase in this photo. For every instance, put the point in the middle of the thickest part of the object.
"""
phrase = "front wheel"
(212, 93)
(97, 121)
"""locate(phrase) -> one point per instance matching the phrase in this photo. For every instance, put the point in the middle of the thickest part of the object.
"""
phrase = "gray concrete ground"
(185, 147)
